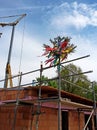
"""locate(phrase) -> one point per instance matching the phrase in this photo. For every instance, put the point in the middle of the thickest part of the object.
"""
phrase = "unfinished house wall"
(9, 122)
(76, 120)
(48, 120)
(26, 120)
(25, 116)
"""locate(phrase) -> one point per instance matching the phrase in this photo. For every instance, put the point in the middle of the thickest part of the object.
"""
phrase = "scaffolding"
(58, 100)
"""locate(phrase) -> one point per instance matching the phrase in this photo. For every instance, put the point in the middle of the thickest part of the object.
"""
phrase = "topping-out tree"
(59, 50)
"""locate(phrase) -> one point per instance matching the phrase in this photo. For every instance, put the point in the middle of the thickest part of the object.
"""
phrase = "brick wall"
(76, 120)
(25, 120)
(48, 120)
(7, 118)
(26, 117)
(12, 94)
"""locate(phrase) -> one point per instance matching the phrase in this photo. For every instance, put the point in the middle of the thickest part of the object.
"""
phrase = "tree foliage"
(45, 81)
(73, 81)
(93, 92)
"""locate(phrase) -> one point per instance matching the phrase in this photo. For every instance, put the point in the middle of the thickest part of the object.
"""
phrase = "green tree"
(70, 75)
(72, 80)
(46, 81)
(93, 89)
(42, 80)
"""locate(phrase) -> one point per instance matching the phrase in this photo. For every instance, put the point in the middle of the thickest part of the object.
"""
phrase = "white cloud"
(77, 20)
(63, 16)
(31, 58)
(74, 15)
(85, 47)
(31, 50)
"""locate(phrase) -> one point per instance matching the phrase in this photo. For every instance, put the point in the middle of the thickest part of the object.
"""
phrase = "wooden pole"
(94, 99)
(39, 97)
(59, 96)
(17, 103)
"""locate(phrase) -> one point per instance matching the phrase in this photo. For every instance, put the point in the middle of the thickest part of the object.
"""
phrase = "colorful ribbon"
(60, 50)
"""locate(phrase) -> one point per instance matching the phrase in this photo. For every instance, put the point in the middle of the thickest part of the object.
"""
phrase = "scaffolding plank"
(74, 104)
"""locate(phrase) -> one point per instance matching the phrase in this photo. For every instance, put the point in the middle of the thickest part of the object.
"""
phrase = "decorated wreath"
(59, 51)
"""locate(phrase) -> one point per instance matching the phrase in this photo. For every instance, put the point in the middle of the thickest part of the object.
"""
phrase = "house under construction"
(32, 107)
(22, 109)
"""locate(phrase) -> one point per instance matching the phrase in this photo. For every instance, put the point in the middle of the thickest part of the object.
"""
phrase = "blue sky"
(48, 19)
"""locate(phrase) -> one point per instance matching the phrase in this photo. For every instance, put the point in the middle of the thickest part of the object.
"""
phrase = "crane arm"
(13, 23)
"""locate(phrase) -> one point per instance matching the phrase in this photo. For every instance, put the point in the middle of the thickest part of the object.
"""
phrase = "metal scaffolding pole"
(39, 97)
(59, 96)
(17, 103)
(94, 99)
(45, 68)
(88, 120)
